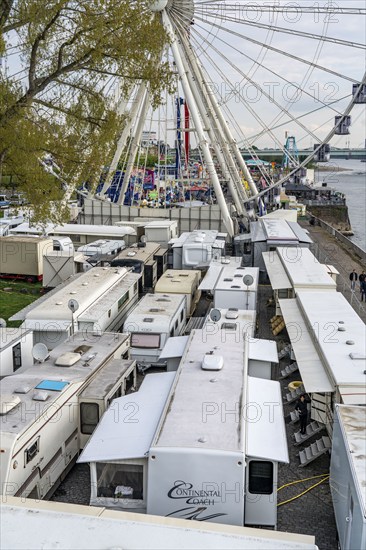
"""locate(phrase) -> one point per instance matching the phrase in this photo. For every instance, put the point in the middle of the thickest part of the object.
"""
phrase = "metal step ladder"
(294, 395)
(316, 449)
(194, 323)
(284, 351)
(287, 371)
(311, 429)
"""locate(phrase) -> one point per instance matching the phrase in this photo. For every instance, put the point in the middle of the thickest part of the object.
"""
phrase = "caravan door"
(260, 493)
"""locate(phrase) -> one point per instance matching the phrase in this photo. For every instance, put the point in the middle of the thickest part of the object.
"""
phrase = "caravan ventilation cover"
(40, 396)
(67, 359)
(212, 362)
(8, 402)
(232, 314)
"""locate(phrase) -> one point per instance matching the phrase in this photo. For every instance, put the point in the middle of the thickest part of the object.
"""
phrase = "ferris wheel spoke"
(281, 52)
(283, 30)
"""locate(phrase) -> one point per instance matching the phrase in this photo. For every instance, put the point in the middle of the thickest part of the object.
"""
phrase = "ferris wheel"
(247, 73)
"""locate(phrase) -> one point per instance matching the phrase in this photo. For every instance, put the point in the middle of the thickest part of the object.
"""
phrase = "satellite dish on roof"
(248, 280)
(40, 352)
(215, 315)
(2, 323)
(143, 239)
(73, 305)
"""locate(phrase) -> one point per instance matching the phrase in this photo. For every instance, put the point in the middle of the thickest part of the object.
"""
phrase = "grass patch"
(21, 295)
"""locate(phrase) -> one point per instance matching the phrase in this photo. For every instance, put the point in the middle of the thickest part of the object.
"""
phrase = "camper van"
(181, 281)
(40, 412)
(197, 247)
(140, 258)
(219, 465)
(155, 318)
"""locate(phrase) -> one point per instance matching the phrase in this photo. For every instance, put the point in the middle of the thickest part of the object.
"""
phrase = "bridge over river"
(277, 154)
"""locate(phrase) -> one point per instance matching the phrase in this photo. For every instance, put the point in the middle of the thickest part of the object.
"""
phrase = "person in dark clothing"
(353, 278)
(362, 281)
(302, 409)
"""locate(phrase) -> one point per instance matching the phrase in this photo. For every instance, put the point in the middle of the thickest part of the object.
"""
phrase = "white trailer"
(328, 342)
(15, 349)
(294, 268)
(181, 281)
(102, 247)
(232, 286)
(98, 529)
(161, 231)
(40, 413)
(78, 232)
(348, 476)
(104, 295)
(197, 247)
(58, 266)
(155, 318)
(210, 453)
(267, 234)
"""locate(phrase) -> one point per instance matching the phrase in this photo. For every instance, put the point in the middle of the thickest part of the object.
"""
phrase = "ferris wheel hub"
(158, 5)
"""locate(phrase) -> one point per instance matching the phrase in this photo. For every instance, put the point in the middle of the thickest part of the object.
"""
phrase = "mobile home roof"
(338, 337)
(87, 288)
(99, 528)
(278, 230)
(167, 306)
(142, 253)
(104, 381)
(177, 281)
(300, 266)
(100, 349)
(69, 229)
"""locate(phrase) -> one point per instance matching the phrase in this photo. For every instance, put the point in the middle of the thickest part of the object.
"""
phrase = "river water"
(352, 183)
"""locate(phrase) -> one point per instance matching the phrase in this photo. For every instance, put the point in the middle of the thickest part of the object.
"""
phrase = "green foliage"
(73, 53)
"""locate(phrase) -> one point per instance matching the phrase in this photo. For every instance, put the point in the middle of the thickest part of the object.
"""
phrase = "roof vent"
(356, 356)
(228, 326)
(40, 396)
(238, 275)
(67, 359)
(59, 303)
(202, 439)
(235, 286)
(148, 320)
(227, 279)
(23, 389)
(341, 328)
(155, 309)
(96, 275)
(212, 362)
(232, 314)
(84, 284)
(131, 254)
(350, 342)
(73, 292)
(8, 403)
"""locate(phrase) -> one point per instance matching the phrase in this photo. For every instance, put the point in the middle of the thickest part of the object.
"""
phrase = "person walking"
(363, 290)
(353, 278)
(362, 279)
(302, 409)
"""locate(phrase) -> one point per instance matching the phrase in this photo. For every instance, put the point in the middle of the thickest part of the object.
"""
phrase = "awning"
(263, 350)
(266, 433)
(313, 374)
(174, 347)
(127, 428)
(276, 272)
(210, 279)
(353, 395)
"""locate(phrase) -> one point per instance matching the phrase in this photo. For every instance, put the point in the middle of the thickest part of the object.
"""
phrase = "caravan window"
(260, 477)
(120, 481)
(32, 451)
(122, 301)
(89, 417)
(141, 340)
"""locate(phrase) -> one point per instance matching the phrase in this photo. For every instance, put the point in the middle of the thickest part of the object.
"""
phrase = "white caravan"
(348, 476)
(197, 247)
(155, 318)
(103, 296)
(210, 454)
(102, 247)
(232, 285)
(40, 413)
(140, 258)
